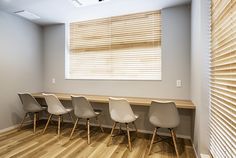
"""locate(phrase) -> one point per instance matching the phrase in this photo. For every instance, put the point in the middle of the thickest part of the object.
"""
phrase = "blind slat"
(122, 47)
(223, 79)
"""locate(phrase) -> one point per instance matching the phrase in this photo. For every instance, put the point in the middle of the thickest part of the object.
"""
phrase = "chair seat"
(97, 113)
(89, 115)
(38, 109)
(168, 123)
(69, 109)
(127, 119)
(44, 107)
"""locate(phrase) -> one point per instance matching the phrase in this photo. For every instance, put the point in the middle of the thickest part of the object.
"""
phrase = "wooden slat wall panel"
(223, 79)
(122, 47)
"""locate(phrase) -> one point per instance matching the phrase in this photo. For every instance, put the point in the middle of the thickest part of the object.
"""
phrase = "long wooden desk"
(183, 104)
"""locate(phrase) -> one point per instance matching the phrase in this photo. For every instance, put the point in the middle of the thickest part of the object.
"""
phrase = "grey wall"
(175, 63)
(20, 65)
(200, 52)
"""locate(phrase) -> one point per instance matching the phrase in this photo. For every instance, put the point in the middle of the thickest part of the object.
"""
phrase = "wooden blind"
(223, 79)
(123, 47)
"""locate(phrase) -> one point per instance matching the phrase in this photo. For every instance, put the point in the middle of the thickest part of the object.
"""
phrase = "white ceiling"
(61, 11)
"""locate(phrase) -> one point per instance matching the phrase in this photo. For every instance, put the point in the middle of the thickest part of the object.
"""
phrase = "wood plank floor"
(25, 143)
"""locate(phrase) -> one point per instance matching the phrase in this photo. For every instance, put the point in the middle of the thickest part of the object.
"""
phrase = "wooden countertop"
(183, 104)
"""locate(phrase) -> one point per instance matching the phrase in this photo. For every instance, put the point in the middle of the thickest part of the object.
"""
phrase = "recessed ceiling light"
(27, 15)
(76, 3)
(79, 3)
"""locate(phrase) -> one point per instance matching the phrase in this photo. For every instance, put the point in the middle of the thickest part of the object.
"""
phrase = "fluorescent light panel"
(79, 3)
(27, 15)
(76, 3)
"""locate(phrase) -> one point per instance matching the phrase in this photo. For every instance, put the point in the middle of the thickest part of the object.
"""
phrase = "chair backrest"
(54, 105)
(82, 107)
(164, 114)
(120, 109)
(29, 103)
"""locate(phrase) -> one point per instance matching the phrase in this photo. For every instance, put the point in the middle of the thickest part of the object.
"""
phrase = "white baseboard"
(9, 128)
(205, 156)
(105, 126)
(201, 155)
(14, 127)
(195, 151)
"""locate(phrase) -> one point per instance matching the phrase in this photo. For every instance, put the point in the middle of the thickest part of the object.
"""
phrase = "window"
(121, 48)
(223, 79)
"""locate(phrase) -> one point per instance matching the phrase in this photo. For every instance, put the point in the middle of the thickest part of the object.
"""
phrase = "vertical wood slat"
(223, 79)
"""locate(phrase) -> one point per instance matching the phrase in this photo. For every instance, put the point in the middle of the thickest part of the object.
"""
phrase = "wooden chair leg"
(51, 121)
(128, 134)
(88, 128)
(23, 120)
(100, 125)
(59, 125)
(112, 130)
(35, 120)
(49, 118)
(72, 132)
(174, 141)
(153, 138)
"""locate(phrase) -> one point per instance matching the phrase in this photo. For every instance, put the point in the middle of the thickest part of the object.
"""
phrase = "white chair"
(84, 110)
(164, 115)
(55, 107)
(121, 112)
(30, 105)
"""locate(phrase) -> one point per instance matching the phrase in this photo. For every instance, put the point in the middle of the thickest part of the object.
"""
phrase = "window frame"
(67, 60)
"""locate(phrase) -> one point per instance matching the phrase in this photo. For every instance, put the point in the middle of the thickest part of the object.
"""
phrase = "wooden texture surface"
(184, 104)
(27, 144)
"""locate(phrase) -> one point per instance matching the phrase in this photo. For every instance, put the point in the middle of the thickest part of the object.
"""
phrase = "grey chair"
(164, 115)
(56, 108)
(121, 112)
(30, 105)
(84, 110)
